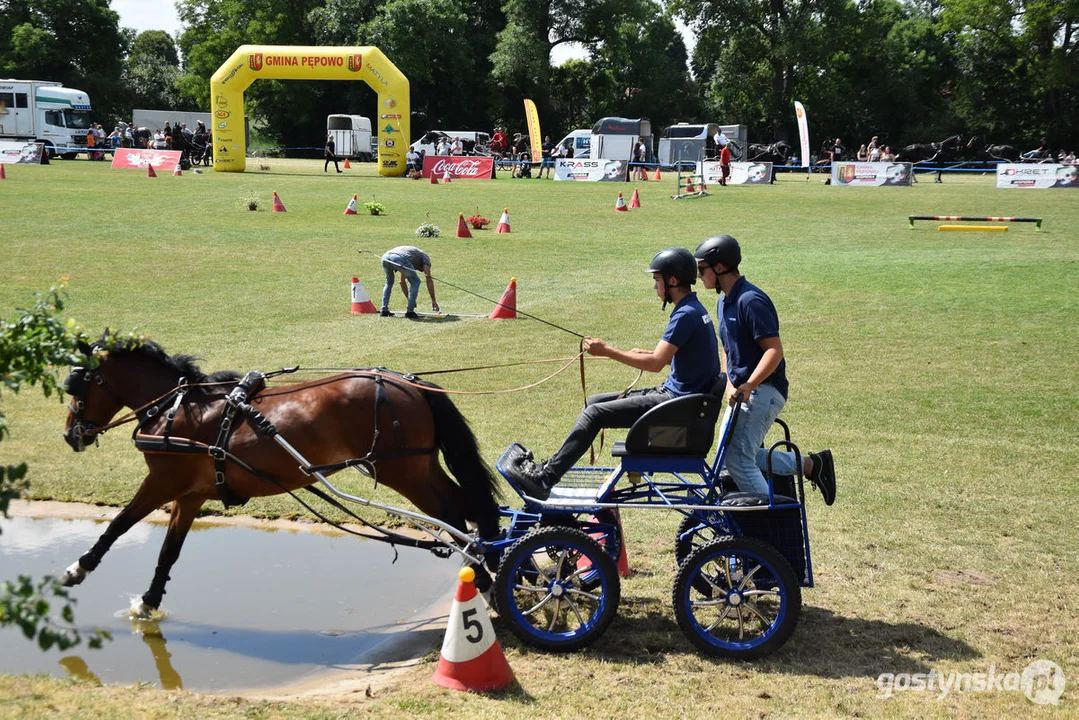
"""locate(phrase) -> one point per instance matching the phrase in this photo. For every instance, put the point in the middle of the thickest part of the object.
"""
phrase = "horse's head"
(951, 143)
(93, 404)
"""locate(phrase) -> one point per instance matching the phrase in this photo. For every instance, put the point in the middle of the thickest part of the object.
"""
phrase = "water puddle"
(246, 608)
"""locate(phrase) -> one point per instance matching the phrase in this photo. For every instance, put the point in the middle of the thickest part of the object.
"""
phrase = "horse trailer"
(687, 143)
(351, 136)
(613, 138)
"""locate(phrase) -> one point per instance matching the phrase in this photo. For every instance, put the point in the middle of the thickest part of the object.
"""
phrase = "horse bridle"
(77, 385)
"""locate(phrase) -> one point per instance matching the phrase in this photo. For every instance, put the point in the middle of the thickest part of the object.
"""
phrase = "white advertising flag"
(803, 132)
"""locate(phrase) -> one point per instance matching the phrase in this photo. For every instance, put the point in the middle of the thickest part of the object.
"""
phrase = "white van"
(472, 142)
(579, 141)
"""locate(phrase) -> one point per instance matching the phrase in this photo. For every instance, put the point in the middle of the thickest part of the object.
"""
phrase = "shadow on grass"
(824, 645)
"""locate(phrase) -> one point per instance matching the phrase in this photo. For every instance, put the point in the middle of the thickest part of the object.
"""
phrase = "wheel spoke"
(582, 593)
(721, 618)
(538, 605)
(761, 593)
(753, 609)
(554, 614)
(576, 611)
(748, 576)
(741, 625)
(531, 588)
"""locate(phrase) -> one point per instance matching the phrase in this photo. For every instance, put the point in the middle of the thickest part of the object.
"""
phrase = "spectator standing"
(725, 163)
(887, 155)
(838, 151)
(331, 154)
(412, 160)
(640, 156)
(443, 147)
(863, 154)
(456, 148)
(873, 145)
(546, 158)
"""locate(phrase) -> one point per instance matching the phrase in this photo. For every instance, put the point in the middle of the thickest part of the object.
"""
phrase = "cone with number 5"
(471, 657)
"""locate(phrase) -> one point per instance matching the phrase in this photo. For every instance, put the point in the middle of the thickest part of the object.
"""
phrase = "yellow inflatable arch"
(286, 62)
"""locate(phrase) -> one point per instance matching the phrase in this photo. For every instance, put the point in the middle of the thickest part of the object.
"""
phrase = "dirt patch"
(964, 577)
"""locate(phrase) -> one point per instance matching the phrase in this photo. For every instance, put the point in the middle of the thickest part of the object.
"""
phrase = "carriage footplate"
(579, 486)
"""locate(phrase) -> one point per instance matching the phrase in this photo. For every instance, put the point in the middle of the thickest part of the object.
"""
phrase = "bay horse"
(394, 423)
(777, 153)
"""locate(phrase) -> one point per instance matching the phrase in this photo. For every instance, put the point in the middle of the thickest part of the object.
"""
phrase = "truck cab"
(45, 112)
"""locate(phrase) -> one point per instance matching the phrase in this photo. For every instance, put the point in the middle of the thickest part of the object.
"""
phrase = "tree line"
(905, 70)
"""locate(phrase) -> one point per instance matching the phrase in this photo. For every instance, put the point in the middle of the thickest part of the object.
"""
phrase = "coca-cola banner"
(1012, 175)
(139, 158)
(742, 173)
(588, 170)
(460, 167)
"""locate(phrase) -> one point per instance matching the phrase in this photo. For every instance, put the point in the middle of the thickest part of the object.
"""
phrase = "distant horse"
(979, 148)
(392, 425)
(930, 152)
(777, 153)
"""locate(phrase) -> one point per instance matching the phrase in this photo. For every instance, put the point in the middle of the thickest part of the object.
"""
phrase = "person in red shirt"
(725, 163)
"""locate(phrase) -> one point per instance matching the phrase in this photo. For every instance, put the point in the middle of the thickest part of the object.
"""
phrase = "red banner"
(139, 158)
(460, 167)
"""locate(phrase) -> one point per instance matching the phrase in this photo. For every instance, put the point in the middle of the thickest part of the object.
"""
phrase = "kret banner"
(803, 131)
(1030, 176)
(534, 136)
(871, 174)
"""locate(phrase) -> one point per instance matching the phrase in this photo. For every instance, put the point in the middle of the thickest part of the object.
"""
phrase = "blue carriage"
(742, 557)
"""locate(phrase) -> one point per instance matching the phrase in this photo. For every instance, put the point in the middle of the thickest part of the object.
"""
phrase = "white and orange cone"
(446, 176)
(278, 206)
(462, 227)
(361, 302)
(352, 207)
(504, 222)
(471, 657)
(689, 186)
(623, 560)
(620, 204)
(177, 172)
(635, 201)
(150, 171)
(507, 305)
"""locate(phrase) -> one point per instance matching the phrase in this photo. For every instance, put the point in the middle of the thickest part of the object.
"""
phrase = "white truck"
(45, 112)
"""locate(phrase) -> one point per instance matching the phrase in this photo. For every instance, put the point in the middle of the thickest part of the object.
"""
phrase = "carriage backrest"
(684, 426)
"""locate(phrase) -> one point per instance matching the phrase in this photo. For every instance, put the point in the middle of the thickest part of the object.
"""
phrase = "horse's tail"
(462, 455)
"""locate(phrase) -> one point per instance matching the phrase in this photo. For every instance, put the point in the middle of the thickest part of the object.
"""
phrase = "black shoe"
(823, 475)
(386, 312)
(411, 315)
(529, 477)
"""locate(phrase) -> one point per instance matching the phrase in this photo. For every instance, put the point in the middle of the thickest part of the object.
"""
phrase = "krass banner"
(1015, 175)
(586, 170)
(868, 174)
(534, 137)
(139, 158)
(460, 167)
(742, 173)
(21, 153)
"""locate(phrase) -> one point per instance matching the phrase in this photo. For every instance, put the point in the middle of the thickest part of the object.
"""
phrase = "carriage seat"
(748, 499)
(682, 427)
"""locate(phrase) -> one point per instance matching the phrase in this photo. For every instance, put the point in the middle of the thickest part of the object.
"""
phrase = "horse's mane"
(183, 365)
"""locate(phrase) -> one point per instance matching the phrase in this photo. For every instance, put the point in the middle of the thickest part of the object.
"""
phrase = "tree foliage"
(33, 344)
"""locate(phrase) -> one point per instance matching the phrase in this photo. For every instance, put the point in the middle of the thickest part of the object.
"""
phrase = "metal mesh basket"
(782, 529)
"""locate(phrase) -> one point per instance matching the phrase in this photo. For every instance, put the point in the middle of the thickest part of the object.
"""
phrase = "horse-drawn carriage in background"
(742, 557)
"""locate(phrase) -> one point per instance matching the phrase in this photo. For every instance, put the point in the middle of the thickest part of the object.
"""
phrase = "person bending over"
(688, 345)
(756, 372)
(406, 259)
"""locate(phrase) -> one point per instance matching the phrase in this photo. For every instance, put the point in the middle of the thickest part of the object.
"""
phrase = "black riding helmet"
(719, 250)
(674, 263)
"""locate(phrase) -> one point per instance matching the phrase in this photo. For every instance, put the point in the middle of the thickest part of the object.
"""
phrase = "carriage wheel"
(557, 589)
(751, 603)
(611, 541)
(697, 530)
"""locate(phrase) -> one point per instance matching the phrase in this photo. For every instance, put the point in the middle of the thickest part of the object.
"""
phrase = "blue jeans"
(401, 264)
(745, 457)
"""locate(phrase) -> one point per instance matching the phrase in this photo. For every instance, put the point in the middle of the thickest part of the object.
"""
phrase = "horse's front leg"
(184, 511)
(150, 496)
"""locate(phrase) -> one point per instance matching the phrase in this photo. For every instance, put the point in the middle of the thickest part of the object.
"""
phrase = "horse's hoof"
(74, 575)
(140, 610)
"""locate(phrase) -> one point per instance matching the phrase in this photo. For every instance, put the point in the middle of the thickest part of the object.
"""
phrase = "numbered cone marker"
(471, 657)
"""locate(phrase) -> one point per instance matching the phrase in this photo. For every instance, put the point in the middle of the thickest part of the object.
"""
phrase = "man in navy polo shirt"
(688, 345)
(756, 371)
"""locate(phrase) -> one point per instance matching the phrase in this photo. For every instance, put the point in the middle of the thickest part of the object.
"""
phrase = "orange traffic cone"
(446, 176)
(361, 302)
(434, 180)
(644, 175)
(507, 305)
(504, 222)
(278, 206)
(462, 227)
(702, 187)
(635, 201)
(623, 562)
(347, 165)
(352, 206)
(2, 175)
(150, 171)
(620, 204)
(656, 176)
(471, 657)
(177, 172)
(689, 186)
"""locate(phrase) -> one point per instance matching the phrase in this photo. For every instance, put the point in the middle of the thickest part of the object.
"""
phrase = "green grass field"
(940, 367)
